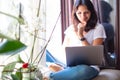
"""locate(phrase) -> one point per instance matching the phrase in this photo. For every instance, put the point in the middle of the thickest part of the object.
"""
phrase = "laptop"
(89, 55)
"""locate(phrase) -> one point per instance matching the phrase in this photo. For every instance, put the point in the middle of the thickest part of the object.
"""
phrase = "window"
(61, 11)
(53, 22)
(106, 9)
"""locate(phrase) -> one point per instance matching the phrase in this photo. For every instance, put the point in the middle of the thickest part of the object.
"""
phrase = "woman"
(84, 31)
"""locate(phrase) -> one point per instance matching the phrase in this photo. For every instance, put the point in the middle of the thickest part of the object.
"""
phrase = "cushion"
(108, 74)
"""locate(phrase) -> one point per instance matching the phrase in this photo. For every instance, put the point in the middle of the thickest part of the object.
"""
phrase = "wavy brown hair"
(93, 19)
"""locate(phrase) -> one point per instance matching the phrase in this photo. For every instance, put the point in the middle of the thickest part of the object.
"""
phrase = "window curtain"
(98, 9)
(66, 9)
(31, 31)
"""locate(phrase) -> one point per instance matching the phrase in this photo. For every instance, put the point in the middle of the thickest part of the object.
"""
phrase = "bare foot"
(45, 78)
(55, 67)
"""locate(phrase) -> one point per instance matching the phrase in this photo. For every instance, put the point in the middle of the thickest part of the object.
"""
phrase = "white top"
(98, 32)
(91, 35)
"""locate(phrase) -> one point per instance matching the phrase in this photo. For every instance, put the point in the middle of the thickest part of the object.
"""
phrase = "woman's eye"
(79, 12)
(86, 12)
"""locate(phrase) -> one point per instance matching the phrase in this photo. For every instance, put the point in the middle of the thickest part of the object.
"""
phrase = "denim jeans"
(80, 72)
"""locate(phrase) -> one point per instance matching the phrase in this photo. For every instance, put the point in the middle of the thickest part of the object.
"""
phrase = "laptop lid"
(89, 55)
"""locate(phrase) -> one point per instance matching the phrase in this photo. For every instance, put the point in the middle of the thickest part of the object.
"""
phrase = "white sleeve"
(99, 32)
(69, 31)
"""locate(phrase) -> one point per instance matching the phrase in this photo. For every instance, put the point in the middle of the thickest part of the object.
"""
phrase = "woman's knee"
(84, 72)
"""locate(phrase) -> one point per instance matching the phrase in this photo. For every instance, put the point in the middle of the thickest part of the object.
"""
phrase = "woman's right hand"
(81, 27)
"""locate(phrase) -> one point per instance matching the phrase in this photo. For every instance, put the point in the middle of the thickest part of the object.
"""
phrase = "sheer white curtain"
(53, 20)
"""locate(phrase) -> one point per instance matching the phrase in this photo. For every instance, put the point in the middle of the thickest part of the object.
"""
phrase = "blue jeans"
(80, 72)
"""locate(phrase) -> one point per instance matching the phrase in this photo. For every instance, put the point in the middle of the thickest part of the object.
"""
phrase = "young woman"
(84, 31)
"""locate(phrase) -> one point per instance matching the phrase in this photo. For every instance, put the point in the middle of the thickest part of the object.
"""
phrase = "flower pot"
(29, 75)
(35, 75)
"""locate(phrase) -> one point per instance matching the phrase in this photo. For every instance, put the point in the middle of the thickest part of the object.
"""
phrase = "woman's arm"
(98, 41)
(66, 41)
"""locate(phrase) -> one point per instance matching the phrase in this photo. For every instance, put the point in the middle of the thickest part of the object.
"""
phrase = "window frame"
(117, 38)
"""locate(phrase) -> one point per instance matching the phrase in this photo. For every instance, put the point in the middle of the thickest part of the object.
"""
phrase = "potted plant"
(19, 69)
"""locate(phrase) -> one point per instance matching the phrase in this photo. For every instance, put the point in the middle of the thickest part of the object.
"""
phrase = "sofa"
(108, 74)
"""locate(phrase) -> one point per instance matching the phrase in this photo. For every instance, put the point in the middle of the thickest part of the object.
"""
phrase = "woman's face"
(83, 14)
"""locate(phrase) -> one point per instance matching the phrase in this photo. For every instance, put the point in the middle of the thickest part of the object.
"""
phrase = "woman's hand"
(81, 27)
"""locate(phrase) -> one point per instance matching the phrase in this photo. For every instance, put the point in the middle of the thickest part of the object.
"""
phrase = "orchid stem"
(33, 46)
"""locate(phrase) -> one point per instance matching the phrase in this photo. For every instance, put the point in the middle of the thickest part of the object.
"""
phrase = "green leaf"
(19, 59)
(19, 75)
(8, 69)
(11, 47)
(14, 77)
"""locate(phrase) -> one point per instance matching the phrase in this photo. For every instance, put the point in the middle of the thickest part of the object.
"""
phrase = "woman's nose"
(83, 15)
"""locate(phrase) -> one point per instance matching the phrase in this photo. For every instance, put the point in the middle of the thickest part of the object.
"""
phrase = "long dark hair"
(93, 19)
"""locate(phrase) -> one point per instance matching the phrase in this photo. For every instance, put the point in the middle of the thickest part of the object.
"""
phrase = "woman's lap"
(80, 72)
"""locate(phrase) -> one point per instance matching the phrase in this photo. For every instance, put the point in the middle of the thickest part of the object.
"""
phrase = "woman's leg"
(80, 72)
